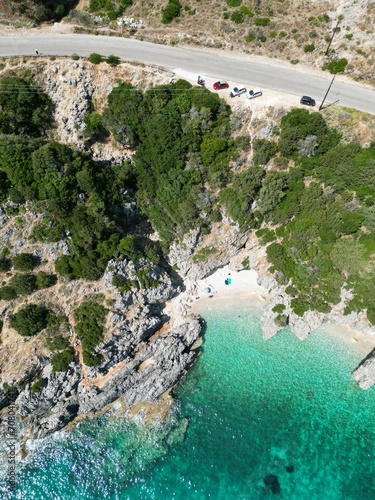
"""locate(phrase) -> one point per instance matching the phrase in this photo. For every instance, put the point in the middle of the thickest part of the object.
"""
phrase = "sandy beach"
(226, 284)
(243, 287)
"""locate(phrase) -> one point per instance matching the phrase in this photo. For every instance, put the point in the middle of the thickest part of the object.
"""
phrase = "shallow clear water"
(252, 407)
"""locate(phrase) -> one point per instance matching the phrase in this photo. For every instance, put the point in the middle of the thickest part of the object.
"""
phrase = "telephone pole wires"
(324, 98)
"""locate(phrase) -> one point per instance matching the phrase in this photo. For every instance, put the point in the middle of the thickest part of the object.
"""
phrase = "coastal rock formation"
(364, 375)
(302, 326)
(134, 369)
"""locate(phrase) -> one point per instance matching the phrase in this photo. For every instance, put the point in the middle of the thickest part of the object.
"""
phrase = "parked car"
(236, 92)
(252, 94)
(221, 85)
(308, 101)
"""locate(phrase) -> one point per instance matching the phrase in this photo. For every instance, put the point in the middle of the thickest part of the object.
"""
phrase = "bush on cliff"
(89, 317)
(30, 320)
(24, 284)
(61, 360)
(7, 293)
(25, 110)
(24, 262)
(5, 265)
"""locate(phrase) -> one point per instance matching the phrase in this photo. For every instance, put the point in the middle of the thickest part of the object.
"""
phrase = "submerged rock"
(272, 482)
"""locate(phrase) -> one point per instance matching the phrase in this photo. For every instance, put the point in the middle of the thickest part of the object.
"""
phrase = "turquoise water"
(246, 410)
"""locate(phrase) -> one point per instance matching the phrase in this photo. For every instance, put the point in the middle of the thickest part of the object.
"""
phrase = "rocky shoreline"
(249, 250)
(153, 338)
(145, 354)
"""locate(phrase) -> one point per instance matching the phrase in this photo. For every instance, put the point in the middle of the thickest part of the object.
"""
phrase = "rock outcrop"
(134, 370)
(364, 375)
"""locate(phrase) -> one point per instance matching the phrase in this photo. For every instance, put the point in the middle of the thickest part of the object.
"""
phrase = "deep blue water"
(247, 409)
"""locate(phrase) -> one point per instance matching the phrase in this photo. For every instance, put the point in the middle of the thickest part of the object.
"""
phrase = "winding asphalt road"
(242, 69)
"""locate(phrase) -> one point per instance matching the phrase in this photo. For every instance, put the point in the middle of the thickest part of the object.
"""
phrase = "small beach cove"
(253, 418)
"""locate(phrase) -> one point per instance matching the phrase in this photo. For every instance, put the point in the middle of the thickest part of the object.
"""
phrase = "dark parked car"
(221, 85)
(308, 101)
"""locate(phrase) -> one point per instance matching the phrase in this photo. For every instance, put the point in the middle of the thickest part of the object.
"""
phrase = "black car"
(308, 101)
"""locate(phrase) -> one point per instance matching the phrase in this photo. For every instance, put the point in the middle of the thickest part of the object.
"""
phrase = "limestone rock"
(309, 322)
(364, 375)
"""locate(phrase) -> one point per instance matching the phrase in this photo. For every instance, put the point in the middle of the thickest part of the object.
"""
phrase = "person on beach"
(37, 52)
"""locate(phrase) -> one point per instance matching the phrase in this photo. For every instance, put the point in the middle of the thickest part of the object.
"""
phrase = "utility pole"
(333, 34)
(324, 98)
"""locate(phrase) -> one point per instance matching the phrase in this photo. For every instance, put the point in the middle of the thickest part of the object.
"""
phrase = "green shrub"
(371, 314)
(234, 3)
(45, 280)
(30, 320)
(5, 265)
(237, 17)
(24, 262)
(89, 317)
(24, 109)
(278, 308)
(119, 281)
(204, 253)
(245, 10)
(171, 11)
(324, 18)
(266, 235)
(24, 284)
(262, 21)
(336, 66)
(95, 58)
(42, 13)
(48, 230)
(57, 343)
(113, 60)
(7, 293)
(61, 360)
(309, 48)
(75, 57)
(299, 307)
(264, 150)
(94, 124)
(250, 37)
(36, 387)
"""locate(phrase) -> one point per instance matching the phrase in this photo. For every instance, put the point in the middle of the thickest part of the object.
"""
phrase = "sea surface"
(253, 420)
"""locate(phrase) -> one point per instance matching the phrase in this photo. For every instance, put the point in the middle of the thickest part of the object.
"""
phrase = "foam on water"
(253, 408)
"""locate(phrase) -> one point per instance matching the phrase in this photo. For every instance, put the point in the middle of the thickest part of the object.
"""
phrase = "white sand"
(364, 342)
(243, 286)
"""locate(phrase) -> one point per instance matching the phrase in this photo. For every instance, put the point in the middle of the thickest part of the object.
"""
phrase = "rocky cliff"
(144, 355)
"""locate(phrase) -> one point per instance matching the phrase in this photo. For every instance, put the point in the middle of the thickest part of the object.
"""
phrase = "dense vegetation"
(315, 205)
(110, 8)
(171, 11)
(89, 317)
(24, 110)
(46, 11)
(30, 320)
(182, 137)
(61, 360)
(318, 205)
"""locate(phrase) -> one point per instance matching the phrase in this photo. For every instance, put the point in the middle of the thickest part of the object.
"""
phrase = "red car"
(221, 85)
